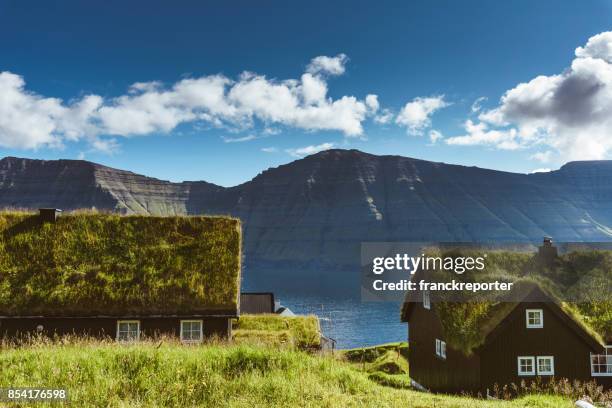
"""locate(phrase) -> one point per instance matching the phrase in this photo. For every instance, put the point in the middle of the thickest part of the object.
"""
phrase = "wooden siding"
(455, 374)
(107, 327)
(512, 338)
(256, 303)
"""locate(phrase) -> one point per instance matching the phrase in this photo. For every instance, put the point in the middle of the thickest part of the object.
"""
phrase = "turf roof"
(579, 283)
(89, 264)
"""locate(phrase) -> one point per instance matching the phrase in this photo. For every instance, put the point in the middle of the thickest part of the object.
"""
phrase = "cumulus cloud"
(416, 115)
(30, 121)
(327, 65)
(307, 150)
(480, 134)
(570, 112)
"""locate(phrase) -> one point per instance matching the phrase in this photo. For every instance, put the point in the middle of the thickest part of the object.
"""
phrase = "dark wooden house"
(533, 336)
(123, 277)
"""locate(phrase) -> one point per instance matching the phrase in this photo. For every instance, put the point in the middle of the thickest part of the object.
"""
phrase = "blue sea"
(351, 322)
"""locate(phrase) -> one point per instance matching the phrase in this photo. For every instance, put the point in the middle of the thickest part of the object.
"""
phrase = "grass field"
(167, 374)
(302, 332)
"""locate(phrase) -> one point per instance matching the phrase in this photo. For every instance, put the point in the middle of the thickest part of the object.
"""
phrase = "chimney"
(49, 214)
(547, 253)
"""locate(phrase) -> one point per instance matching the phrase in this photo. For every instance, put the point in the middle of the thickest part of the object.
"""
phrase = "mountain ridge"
(316, 211)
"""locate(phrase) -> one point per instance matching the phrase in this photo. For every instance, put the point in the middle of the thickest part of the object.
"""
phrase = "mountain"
(314, 212)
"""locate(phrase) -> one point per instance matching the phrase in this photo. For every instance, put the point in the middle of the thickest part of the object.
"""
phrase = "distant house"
(534, 336)
(257, 302)
(123, 277)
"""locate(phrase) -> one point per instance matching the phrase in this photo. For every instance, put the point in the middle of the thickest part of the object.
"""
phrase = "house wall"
(512, 339)
(256, 303)
(107, 327)
(455, 374)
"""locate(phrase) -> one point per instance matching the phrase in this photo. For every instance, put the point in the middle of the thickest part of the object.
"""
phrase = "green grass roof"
(579, 282)
(89, 264)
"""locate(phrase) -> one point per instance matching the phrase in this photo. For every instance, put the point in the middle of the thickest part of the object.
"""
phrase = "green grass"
(385, 364)
(89, 263)
(302, 332)
(215, 375)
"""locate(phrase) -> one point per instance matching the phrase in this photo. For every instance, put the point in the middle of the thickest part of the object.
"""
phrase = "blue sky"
(69, 68)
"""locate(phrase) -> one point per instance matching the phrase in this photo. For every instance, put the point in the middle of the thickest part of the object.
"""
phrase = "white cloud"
(372, 103)
(385, 117)
(477, 105)
(416, 115)
(480, 134)
(241, 139)
(435, 135)
(307, 150)
(570, 112)
(327, 65)
(269, 149)
(30, 121)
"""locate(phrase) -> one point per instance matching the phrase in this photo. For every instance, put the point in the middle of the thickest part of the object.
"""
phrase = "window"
(128, 330)
(426, 300)
(526, 366)
(601, 365)
(441, 349)
(191, 331)
(546, 365)
(534, 318)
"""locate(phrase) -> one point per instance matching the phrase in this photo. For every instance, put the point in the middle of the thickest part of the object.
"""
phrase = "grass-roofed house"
(124, 277)
(469, 347)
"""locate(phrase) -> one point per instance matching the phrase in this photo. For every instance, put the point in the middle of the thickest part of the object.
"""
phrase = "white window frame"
(441, 349)
(603, 362)
(534, 325)
(201, 331)
(552, 365)
(137, 330)
(426, 300)
(526, 373)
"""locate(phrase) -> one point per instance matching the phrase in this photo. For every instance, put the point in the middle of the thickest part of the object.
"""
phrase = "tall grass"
(166, 374)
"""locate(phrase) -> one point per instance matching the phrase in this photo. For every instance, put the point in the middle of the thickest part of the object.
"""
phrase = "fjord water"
(351, 322)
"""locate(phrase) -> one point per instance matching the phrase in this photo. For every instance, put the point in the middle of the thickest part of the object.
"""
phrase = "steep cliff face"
(319, 209)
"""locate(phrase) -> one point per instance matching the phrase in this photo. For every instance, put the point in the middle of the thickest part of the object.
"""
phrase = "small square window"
(526, 366)
(534, 318)
(191, 331)
(128, 330)
(546, 365)
(426, 300)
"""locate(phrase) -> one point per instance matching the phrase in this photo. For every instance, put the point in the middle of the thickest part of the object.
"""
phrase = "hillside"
(317, 210)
